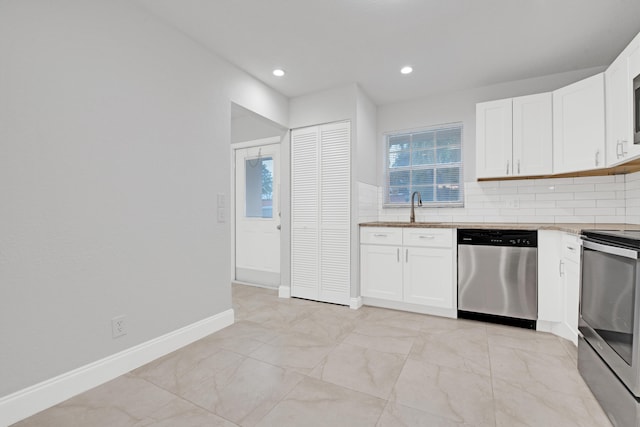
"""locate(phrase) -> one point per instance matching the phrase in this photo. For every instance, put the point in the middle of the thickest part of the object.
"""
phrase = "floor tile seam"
(375, 349)
(346, 388)
(491, 378)
(528, 350)
(249, 356)
(282, 399)
(184, 398)
(384, 409)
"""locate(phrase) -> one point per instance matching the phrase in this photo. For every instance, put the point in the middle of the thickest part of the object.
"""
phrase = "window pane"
(422, 177)
(426, 192)
(397, 178)
(423, 157)
(399, 194)
(447, 137)
(448, 176)
(420, 141)
(448, 193)
(449, 155)
(259, 188)
(399, 153)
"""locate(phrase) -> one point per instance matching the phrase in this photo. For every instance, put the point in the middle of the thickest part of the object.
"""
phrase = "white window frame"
(434, 204)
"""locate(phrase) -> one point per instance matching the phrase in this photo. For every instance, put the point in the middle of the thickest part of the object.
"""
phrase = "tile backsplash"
(597, 199)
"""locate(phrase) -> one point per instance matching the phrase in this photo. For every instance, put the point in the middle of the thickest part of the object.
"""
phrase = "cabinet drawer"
(428, 237)
(571, 248)
(381, 236)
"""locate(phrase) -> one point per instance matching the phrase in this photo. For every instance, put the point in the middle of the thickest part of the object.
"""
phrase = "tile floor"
(290, 362)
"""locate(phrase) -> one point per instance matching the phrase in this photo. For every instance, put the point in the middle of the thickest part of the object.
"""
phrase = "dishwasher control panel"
(516, 238)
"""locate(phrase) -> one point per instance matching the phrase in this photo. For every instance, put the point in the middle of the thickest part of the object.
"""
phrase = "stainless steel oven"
(610, 320)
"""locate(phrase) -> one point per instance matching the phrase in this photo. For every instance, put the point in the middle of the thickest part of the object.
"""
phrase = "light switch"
(221, 200)
(221, 215)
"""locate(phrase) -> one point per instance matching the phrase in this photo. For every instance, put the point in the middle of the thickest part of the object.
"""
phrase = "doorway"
(257, 212)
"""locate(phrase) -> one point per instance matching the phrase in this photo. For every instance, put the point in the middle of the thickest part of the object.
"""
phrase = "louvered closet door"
(320, 212)
(335, 213)
(305, 219)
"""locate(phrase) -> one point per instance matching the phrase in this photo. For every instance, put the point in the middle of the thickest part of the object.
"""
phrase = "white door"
(257, 256)
(532, 135)
(494, 139)
(578, 126)
(381, 272)
(428, 276)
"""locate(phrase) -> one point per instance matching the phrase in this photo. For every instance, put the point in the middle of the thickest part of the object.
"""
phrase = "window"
(428, 161)
(259, 187)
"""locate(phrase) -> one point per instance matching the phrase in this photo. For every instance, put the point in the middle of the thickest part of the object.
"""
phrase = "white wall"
(461, 107)
(323, 107)
(114, 141)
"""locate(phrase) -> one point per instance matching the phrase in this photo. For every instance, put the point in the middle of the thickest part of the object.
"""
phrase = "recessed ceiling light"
(278, 72)
(406, 70)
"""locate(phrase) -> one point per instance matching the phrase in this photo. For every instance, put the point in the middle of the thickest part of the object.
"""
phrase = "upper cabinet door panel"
(494, 139)
(533, 135)
(618, 107)
(578, 126)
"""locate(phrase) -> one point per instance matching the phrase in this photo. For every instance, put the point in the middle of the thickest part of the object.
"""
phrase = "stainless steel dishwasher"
(498, 276)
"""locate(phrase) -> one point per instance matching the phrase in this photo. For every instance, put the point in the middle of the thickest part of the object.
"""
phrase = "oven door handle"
(613, 250)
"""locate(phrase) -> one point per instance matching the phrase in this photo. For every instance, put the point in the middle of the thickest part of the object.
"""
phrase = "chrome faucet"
(412, 218)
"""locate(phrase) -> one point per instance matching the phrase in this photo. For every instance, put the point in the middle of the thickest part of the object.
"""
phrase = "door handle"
(560, 265)
(278, 226)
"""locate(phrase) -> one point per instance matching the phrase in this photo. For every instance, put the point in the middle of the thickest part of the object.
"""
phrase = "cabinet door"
(428, 276)
(494, 139)
(550, 280)
(381, 272)
(532, 135)
(578, 126)
(618, 110)
(571, 296)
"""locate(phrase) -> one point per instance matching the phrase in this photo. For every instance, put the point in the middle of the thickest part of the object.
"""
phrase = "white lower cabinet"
(380, 269)
(558, 283)
(409, 269)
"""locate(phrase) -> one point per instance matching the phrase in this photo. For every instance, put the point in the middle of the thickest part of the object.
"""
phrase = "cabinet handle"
(407, 256)
(518, 167)
(597, 157)
(618, 149)
(571, 248)
(398, 254)
(622, 143)
(430, 236)
(507, 167)
(379, 235)
(560, 265)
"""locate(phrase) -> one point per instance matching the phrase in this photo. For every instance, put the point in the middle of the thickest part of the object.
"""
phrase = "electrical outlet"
(118, 326)
(513, 203)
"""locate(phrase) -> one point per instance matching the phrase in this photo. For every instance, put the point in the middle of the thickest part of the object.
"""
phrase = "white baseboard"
(415, 308)
(31, 400)
(560, 329)
(355, 303)
(284, 292)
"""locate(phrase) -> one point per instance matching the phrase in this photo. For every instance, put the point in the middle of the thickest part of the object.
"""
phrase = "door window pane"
(259, 188)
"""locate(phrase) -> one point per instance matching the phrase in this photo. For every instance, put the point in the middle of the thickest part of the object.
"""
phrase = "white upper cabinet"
(532, 135)
(619, 105)
(514, 137)
(494, 139)
(578, 126)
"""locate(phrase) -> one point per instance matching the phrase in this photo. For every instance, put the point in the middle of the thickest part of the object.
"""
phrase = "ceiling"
(451, 44)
